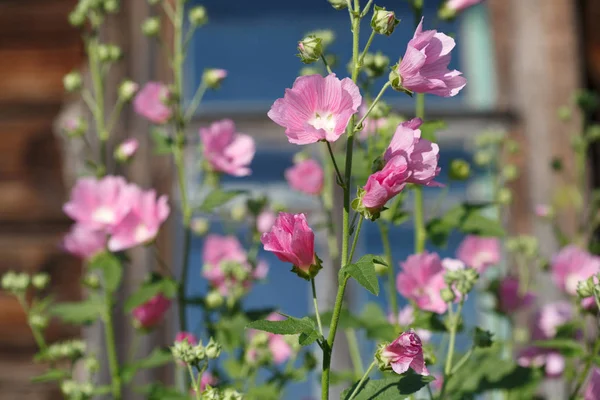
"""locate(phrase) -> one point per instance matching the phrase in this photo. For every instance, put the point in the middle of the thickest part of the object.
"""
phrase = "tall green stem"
(454, 322)
(354, 351)
(111, 348)
(387, 251)
(419, 213)
(362, 380)
(98, 111)
(316, 304)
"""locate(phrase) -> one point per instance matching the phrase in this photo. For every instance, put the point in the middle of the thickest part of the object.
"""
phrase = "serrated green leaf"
(166, 287)
(389, 388)
(157, 358)
(567, 347)
(306, 339)
(217, 198)
(52, 375)
(290, 326)
(78, 312)
(163, 144)
(363, 271)
(111, 269)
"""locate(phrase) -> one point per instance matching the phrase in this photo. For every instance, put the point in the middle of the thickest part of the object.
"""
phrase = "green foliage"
(157, 391)
(166, 287)
(52, 375)
(389, 388)
(110, 266)
(78, 312)
(163, 144)
(157, 358)
(363, 271)
(217, 198)
(264, 392)
(429, 129)
(229, 331)
(566, 347)
(304, 327)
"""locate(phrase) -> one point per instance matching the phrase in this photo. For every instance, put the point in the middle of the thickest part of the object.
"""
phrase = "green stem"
(355, 239)
(195, 386)
(354, 352)
(362, 380)
(196, 100)
(366, 49)
(387, 251)
(37, 334)
(586, 370)
(381, 92)
(316, 304)
(326, 63)
(455, 319)
(419, 218)
(99, 117)
(462, 361)
(111, 348)
(337, 170)
(366, 9)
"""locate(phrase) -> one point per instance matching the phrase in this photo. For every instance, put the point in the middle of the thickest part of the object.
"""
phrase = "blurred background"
(523, 59)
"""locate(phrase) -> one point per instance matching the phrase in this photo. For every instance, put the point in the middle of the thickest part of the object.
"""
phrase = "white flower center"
(142, 233)
(104, 215)
(323, 121)
(571, 283)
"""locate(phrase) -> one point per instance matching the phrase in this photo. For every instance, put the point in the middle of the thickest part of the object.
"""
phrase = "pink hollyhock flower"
(127, 149)
(459, 5)
(207, 379)
(405, 352)
(84, 242)
(218, 250)
(150, 103)
(292, 240)
(261, 270)
(572, 265)
(151, 313)
(406, 317)
(265, 220)
(479, 252)
(408, 159)
(279, 348)
(553, 362)
(316, 108)
(543, 210)
(191, 339)
(306, 176)
(424, 67)
(592, 391)
(421, 280)
(510, 299)
(550, 317)
(100, 204)
(226, 150)
(141, 224)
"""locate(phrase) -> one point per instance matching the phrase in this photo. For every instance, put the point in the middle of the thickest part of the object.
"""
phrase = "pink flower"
(306, 176)
(553, 362)
(261, 270)
(279, 348)
(550, 317)
(421, 280)
(572, 265)
(150, 103)
(405, 352)
(265, 220)
(424, 67)
(479, 252)
(207, 379)
(127, 149)
(510, 299)
(592, 391)
(292, 240)
(543, 210)
(459, 5)
(226, 150)
(316, 108)
(84, 242)
(408, 159)
(141, 224)
(406, 317)
(218, 250)
(370, 125)
(100, 204)
(151, 313)
(191, 339)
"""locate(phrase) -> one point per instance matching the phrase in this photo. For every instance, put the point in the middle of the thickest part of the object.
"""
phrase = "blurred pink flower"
(191, 339)
(510, 299)
(424, 67)
(421, 280)
(479, 252)
(217, 250)
(261, 270)
(550, 317)
(141, 224)
(226, 150)
(100, 204)
(151, 313)
(265, 220)
(127, 149)
(316, 108)
(592, 391)
(553, 362)
(572, 265)
(543, 210)
(371, 126)
(84, 242)
(291, 240)
(279, 348)
(406, 317)
(150, 103)
(207, 379)
(406, 352)
(306, 176)
(459, 5)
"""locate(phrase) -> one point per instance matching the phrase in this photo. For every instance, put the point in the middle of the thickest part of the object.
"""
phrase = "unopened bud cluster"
(70, 350)
(384, 22)
(73, 390)
(526, 245)
(589, 287)
(461, 280)
(225, 394)
(19, 282)
(97, 8)
(196, 354)
(375, 65)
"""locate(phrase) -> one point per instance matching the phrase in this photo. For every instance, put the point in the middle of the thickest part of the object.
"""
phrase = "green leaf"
(229, 329)
(157, 358)
(264, 392)
(363, 271)
(567, 347)
(156, 391)
(167, 287)
(429, 321)
(78, 312)
(430, 128)
(111, 269)
(476, 224)
(163, 144)
(306, 339)
(234, 368)
(217, 198)
(389, 388)
(52, 375)
(376, 324)
(290, 326)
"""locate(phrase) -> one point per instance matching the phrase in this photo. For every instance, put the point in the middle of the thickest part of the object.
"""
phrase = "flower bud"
(381, 269)
(126, 150)
(91, 364)
(40, 281)
(213, 349)
(383, 22)
(213, 77)
(77, 18)
(238, 212)
(21, 282)
(91, 281)
(38, 321)
(564, 113)
(127, 90)
(310, 49)
(231, 394)
(585, 288)
(383, 362)
(199, 353)
(309, 71)
(200, 226)
(72, 81)
(338, 4)
(447, 295)
(103, 51)
(395, 80)
(376, 64)
(197, 16)
(504, 196)
(8, 280)
(75, 127)
(327, 37)
(111, 6)
(213, 300)
(483, 158)
(459, 170)
(482, 338)
(151, 26)
(510, 172)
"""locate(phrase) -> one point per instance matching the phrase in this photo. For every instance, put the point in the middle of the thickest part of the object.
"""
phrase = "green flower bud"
(512, 146)
(504, 196)
(103, 51)
(381, 269)
(327, 37)
(483, 158)
(40, 281)
(510, 172)
(72, 81)
(151, 26)
(200, 226)
(310, 49)
(68, 387)
(585, 288)
(91, 281)
(238, 212)
(338, 4)
(199, 353)
(309, 71)
(21, 282)
(77, 18)
(127, 90)
(231, 394)
(111, 6)
(460, 170)
(383, 362)
(564, 113)
(38, 321)
(213, 300)
(213, 349)
(91, 364)
(482, 338)
(197, 16)
(114, 53)
(213, 77)
(8, 281)
(383, 22)
(447, 295)
(395, 80)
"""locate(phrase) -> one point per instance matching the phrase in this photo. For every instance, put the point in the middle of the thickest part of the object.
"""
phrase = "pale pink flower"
(459, 5)
(421, 280)
(306, 176)
(550, 317)
(151, 313)
(265, 220)
(142, 222)
(552, 361)
(572, 265)
(189, 337)
(279, 348)
(218, 250)
(84, 242)
(510, 298)
(127, 149)
(370, 125)
(543, 210)
(479, 252)
(592, 391)
(406, 317)
(150, 103)
(405, 352)
(408, 159)
(100, 204)
(261, 270)
(207, 379)
(226, 150)
(424, 67)
(316, 108)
